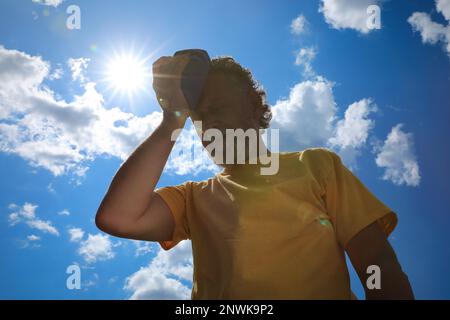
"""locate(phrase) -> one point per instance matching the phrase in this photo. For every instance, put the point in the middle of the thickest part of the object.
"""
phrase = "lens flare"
(127, 74)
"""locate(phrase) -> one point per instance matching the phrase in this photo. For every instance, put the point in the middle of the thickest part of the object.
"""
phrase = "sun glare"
(127, 74)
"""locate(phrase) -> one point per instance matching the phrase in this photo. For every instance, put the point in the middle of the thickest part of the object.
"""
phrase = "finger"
(160, 65)
(162, 60)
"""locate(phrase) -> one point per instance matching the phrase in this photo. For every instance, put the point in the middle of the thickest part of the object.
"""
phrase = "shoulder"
(200, 185)
(320, 160)
(311, 151)
(320, 156)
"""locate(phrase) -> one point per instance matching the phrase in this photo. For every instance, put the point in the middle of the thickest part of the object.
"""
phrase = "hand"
(166, 83)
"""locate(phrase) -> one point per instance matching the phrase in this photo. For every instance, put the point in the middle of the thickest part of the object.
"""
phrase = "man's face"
(225, 104)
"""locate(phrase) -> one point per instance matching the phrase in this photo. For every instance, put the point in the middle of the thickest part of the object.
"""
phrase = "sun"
(127, 74)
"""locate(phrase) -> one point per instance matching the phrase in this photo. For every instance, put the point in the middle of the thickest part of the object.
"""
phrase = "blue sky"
(378, 97)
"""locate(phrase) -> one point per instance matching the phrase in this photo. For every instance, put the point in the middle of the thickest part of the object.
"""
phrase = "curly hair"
(228, 65)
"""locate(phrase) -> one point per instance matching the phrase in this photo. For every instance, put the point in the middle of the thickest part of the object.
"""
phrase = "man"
(254, 236)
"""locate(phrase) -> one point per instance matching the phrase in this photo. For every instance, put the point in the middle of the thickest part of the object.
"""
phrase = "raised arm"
(130, 208)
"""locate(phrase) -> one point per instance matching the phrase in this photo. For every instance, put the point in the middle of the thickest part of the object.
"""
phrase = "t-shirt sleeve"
(351, 206)
(175, 198)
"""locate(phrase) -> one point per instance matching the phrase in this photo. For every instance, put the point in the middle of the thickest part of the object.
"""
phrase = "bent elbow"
(104, 222)
(100, 221)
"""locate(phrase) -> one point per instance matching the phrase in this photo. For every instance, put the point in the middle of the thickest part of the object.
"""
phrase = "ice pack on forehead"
(194, 75)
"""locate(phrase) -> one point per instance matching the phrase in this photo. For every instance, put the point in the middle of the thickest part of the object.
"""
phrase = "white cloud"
(162, 278)
(96, 247)
(27, 214)
(78, 68)
(53, 3)
(443, 6)
(57, 135)
(156, 286)
(309, 118)
(397, 156)
(76, 234)
(299, 25)
(306, 118)
(64, 212)
(20, 76)
(304, 58)
(352, 14)
(430, 31)
(13, 218)
(63, 137)
(32, 241)
(56, 74)
(143, 247)
(28, 211)
(353, 130)
(33, 237)
(44, 226)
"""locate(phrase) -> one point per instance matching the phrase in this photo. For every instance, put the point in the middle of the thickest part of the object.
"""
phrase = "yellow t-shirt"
(274, 237)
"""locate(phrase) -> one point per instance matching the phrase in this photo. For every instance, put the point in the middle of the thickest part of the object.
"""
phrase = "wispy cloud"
(78, 68)
(64, 212)
(299, 25)
(304, 58)
(143, 247)
(27, 214)
(32, 241)
(53, 3)
(430, 31)
(44, 226)
(56, 74)
(76, 234)
(33, 237)
(50, 188)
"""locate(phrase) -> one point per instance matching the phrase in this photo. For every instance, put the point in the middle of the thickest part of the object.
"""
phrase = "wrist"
(173, 119)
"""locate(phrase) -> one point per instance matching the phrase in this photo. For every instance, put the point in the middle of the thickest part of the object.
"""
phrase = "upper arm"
(371, 247)
(156, 223)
